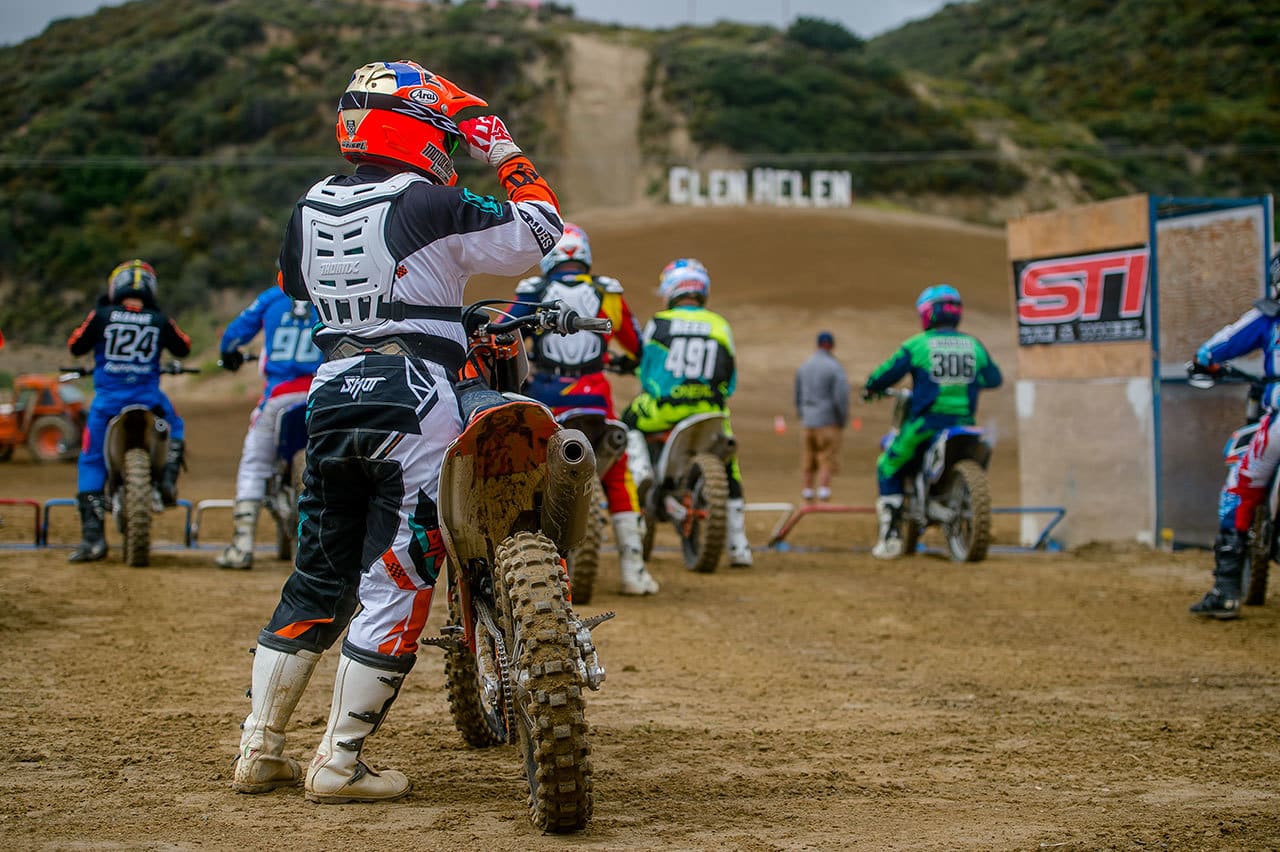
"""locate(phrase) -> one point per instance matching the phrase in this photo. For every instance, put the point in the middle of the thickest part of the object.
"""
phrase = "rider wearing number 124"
(947, 369)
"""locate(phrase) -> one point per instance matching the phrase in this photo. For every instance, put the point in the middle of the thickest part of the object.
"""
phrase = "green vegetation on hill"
(1134, 73)
(812, 91)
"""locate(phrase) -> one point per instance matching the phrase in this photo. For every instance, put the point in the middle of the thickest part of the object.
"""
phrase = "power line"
(150, 161)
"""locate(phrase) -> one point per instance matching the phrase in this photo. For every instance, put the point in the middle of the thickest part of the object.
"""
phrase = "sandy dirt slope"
(820, 700)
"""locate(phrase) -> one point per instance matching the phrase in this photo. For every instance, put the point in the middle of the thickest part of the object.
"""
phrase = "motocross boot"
(636, 579)
(1223, 600)
(239, 553)
(169, 477)
(739, 547)
(890, 544)
(639, 464)
(278, 682)
(362, 695)
(93, 513)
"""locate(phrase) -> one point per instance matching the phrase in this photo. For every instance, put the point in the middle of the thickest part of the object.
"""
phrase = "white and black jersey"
(362, 247)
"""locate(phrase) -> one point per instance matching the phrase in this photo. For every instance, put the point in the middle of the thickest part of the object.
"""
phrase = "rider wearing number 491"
(687, 367)
(289, 359)
(127, 334)
(947, 369)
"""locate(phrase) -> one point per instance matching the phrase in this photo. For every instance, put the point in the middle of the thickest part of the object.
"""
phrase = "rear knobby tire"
(1257, 564)
(969, 534)
(545, 662)
(482, 726)
(137, 508)
(707, 484)
(584, 560)
(286, 508)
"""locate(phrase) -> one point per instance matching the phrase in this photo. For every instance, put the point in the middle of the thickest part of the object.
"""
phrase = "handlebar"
(554, 316)
(1223, 374)
(172, 368)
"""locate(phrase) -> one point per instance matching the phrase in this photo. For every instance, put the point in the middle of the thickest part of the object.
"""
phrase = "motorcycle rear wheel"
(137, 508)
(707, 485)
(285, 507)
(966, 492)
(1257, 564)
(545, 665)
(584, 560)
(482, 723)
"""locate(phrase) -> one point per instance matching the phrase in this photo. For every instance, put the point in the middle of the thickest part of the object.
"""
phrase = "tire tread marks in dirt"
(584, 560)
(137, 507)
(556, 750)
(974, 479)
(702, 551)
(462, 680)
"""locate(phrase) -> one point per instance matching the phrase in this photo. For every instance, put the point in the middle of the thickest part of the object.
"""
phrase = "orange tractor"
(46, 414)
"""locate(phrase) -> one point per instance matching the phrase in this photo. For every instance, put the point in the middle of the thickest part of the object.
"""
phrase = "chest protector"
(582, 349)
(346, 264)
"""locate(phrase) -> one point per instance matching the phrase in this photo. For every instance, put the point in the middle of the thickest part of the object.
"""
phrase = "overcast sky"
(22, 19)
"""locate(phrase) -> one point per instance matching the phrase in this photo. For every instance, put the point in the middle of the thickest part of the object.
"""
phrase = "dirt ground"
(819, 700)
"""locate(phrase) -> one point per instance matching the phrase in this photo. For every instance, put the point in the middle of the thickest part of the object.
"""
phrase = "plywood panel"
(1085, 360)
(1087, 446)
(1211, 267)
(1117, 223)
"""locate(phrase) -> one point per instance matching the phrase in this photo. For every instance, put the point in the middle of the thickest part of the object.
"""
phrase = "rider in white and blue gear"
(1246, 485)
(289, 359)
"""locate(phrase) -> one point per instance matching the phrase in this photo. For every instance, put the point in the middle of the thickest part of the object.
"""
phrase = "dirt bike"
(608, 439)
(515, 497)
(947, 486)
(1264, 543)
(690, 488)
(135, 448)
(285, 484)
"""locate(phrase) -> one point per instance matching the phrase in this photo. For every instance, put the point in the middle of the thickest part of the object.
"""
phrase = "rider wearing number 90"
(947, 369)
(127, 333)
(289, 359)
(687, 367)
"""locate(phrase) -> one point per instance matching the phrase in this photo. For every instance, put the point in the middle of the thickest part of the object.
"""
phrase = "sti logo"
(1107, 286)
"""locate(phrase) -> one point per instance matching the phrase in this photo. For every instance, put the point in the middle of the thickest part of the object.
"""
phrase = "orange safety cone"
(857, 424)
(780, 425)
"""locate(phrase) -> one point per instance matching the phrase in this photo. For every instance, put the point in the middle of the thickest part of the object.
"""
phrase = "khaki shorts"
(821, 449)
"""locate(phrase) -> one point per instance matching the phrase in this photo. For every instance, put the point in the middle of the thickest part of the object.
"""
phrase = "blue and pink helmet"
(939, 305)
(684, 277)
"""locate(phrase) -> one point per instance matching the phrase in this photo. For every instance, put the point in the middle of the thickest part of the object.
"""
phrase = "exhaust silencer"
(566, 505)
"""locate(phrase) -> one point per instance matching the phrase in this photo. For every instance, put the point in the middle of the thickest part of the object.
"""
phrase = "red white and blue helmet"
(573, 246)
(684, 277)
(132, 279)
(939, 305)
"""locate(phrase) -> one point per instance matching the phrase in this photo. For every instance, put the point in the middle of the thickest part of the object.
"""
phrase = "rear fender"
(698, 433)
(135, 427)
(493, 478)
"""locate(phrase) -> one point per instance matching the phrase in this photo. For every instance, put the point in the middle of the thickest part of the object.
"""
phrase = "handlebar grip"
(597, 324)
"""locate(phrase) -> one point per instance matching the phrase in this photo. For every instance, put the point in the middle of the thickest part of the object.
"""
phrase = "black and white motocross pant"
(368, 532)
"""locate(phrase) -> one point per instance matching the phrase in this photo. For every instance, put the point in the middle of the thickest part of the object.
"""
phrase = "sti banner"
(1091, 298)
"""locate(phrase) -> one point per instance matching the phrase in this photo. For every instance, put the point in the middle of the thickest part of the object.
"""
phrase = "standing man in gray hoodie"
(822, 401)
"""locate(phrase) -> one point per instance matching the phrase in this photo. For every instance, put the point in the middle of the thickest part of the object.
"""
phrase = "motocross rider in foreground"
(1246, 482)
(384, 254)
(289, 359)
(947, 369)
(127, 333)
(687, 367)
(569, 373)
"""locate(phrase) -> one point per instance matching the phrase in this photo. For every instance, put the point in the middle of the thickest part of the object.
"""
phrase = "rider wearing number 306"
(947, 369)
(289, 359)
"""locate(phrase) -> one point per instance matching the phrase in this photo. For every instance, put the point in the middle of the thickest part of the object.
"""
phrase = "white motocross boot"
(638, 463)
(636, 579)
(890, 544)
(278, 682)
(239, 553)
(361, 697)
(739, 547)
